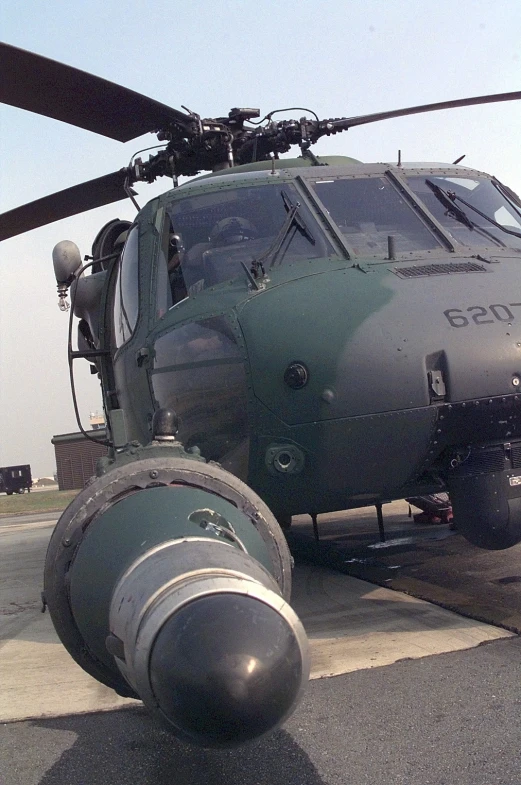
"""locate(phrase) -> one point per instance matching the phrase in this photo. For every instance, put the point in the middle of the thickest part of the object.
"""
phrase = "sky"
(339, 58)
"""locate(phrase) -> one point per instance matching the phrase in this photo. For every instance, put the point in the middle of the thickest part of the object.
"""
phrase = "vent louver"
(439, 269)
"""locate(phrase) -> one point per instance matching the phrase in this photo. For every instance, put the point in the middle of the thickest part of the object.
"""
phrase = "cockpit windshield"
(213, 235)
(368, 210)
(476, 211)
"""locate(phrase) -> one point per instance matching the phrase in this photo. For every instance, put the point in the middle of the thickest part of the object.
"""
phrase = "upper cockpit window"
(367, 211)
(212, 235)
(477, 212)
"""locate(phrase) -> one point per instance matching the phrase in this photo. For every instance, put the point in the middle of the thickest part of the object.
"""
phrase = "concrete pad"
(12, 528)
(38, 678)
(353, 625)
(430, 562)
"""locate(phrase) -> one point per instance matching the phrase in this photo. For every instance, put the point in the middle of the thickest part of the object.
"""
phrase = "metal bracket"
(437, 383)
(142, 356)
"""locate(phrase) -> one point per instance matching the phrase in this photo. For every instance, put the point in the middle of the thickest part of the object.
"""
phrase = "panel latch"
(437, 384)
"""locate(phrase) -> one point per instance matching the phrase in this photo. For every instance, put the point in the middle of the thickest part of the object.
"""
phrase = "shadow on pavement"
(129, 748)
(428, 562)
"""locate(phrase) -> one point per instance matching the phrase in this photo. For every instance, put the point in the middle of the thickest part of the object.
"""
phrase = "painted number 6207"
(479, 314)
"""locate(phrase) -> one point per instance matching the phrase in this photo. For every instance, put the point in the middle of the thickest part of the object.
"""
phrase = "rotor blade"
(62, 204)
(350, 122)
(37, 84)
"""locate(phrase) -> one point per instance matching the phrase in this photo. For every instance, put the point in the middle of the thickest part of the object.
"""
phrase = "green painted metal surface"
(128, 529)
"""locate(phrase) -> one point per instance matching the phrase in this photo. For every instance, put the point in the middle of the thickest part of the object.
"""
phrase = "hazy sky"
(337, 58)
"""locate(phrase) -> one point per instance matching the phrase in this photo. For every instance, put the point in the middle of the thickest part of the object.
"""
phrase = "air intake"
(439, 269)
(481, 461)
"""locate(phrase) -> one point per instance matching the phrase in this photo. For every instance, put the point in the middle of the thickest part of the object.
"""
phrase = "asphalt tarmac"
(446, 718)
(441, 720)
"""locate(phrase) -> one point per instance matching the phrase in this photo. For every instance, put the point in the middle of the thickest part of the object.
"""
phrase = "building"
(97, 420)
(76, 457)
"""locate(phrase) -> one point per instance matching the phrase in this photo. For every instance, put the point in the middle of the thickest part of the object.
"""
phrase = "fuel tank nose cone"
(207, 642)
(178, 594)
(225, 669)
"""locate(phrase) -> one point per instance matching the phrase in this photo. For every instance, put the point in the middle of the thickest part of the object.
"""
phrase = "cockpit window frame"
(402, 190)
(465, 174)
(290, 183)
(126, 278)
(397, 177)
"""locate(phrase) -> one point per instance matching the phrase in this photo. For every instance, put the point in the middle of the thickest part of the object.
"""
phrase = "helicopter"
(273, 337)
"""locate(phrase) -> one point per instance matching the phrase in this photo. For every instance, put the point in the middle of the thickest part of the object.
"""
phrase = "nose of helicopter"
(364, 379)
(369, 341)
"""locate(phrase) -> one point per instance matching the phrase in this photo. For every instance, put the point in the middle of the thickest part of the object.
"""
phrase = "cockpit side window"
(213, 234)
(126, 291)
(368, 210)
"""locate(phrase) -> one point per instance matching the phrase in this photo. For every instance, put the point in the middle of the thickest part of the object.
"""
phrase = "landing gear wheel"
(284, 522)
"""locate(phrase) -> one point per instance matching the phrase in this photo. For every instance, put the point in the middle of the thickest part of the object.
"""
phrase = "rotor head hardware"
(193, 144)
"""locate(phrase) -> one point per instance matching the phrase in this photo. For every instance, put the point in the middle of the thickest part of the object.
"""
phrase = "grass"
(40, 501)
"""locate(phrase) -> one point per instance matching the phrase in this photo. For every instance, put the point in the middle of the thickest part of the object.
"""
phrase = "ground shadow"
(129, 748)
(428, 562)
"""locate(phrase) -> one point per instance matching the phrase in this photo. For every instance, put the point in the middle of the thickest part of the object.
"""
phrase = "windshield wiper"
(275, 248)
(487, 218)
(447, 201)
(448, 198)
(452, 196)
(297, 218)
